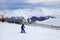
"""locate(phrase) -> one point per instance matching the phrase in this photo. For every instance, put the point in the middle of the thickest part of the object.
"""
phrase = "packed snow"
(10, 31)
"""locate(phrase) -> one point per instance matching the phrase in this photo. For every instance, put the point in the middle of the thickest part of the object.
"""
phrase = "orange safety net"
(2, 18)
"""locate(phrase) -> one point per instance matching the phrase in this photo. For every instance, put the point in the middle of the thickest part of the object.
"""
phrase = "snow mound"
(55, 22)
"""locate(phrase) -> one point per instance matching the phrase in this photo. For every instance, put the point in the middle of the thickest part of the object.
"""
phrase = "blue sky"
(15, 4)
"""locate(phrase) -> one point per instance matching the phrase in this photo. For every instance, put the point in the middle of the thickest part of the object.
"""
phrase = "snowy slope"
(12, 32)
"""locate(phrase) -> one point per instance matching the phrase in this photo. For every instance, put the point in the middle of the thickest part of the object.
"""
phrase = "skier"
(22, 28)
(28, 20)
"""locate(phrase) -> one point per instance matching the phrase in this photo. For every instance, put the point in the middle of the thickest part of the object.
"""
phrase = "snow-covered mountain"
(28, 13)
(38, 11)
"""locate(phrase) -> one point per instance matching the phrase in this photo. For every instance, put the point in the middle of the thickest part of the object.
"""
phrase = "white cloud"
(4, 1)
(1, 1)
(14, 3)
(36, 1)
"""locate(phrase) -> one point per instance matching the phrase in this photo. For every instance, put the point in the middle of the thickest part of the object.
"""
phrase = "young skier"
(22, 28)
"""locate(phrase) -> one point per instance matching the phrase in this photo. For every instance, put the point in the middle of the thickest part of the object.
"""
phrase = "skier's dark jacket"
(22, 27)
